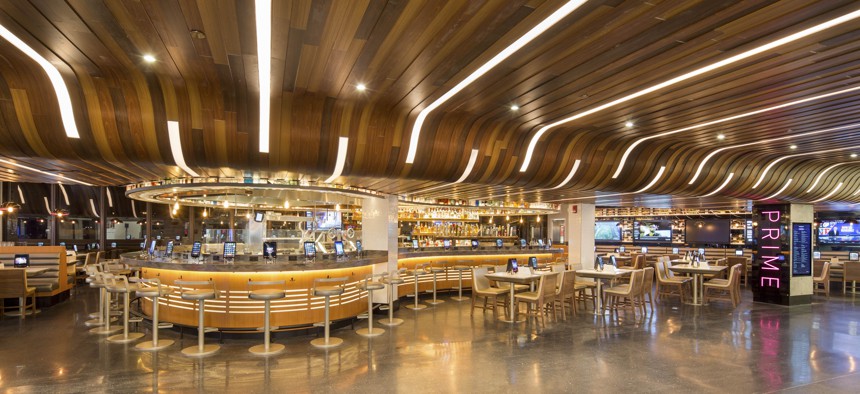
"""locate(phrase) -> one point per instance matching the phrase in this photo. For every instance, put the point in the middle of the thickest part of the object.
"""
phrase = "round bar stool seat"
(154, 292)
(435, 271)
(419, 269)
(369, 286)
(392, 281)
(460, 269)
(120, 285)
(328, 291)
(200, 295)
(267, 295)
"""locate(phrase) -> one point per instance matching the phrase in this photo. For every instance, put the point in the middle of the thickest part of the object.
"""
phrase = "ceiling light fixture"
(176, 147)
(767, 141)
(821, 174)
(853, 155)
(721, 137)
(541, 27)
(93, 207)
(226, 204)
(684, 77)
(778, 192)
(149, 58)
(731, 174)
(792, 147)
(62, 92)
(473, 157)
(286, 204)
(773, 163)
(342, 148)
(263, 13)
(569, 176)
(21, 195)
(361, 87)
(826, 196)
(628, 124)
(515, 108)
(648, 186)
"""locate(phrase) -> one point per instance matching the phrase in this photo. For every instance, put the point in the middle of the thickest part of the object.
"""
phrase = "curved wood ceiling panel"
(408, 54)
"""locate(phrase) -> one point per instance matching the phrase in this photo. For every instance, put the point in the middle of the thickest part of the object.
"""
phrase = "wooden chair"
(850, 273)
(648, 287)
(629, 291)
(666, 285)
(481, 288)
(735, 260)
(569, 290)
(542, 297)
(13, 284)
(639, 262)
(731, 287)
(821, 280)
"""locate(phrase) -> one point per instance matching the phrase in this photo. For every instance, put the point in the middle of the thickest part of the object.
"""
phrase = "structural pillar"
(379, 233)
(782, 268)
(102, 218)
(580, 234)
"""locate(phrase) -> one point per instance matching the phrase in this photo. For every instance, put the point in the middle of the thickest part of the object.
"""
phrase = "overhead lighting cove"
(536, 31)
(60, 89)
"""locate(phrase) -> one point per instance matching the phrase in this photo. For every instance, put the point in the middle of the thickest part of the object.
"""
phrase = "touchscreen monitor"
(40, 244)
(258, 217)
(338, 248)
(178, 237)
(702, 251)
(474, 244)
(674, 250)
(21, 261)
(310, 250)
(447, 244)
(113, 244)
(644, 249)
(523, 243)
(853, 256)
(613, 261)
(499, 243)
(512, 265)
(358, 246)
(540, 242)
(152, 246)
(533, 262)
(270, 249)
(75, 247)
(195, 249)
(739, 252)
(816, 255)
(622, 249)
(169, 251)
(229, 250)
(414, 244)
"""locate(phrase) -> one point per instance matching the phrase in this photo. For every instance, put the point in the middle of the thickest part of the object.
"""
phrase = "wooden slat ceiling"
(409, 53)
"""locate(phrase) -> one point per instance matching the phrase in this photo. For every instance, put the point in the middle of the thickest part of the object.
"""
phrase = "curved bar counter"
(233, 310)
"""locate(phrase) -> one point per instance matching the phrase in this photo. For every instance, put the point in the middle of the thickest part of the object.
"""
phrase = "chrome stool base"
(322, 344)
(104, 330)
(391, 322)
(149, 346)
(459, 299)
(366, 332)
(122, 338)
(260, 350)
(197, 351)
(416, 307)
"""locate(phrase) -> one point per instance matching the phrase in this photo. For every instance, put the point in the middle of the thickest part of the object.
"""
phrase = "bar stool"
(267, 295)
(370, 285)
(392, 281)
(327, 287)
(100, 282)
(118, 284)
(460, 269)
(418, 270)
(435, 270)
(94, 281)
(199, 292)
(154, 291)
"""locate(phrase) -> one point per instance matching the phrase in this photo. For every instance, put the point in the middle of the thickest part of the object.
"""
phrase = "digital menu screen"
(801, 249)
(229, 250)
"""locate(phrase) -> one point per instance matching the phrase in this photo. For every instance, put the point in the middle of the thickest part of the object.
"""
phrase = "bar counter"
(233, 310)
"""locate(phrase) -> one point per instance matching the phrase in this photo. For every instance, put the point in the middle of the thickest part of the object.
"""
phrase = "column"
(782, 269)
(103, 214)
(580, 234)
(379, 233)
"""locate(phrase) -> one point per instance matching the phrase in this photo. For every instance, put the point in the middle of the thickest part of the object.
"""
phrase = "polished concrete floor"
(677, 348)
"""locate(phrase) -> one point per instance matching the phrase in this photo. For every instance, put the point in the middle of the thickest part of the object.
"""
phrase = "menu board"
(801, 249)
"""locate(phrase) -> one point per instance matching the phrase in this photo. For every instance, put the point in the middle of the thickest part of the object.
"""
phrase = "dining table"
(608, 273)
(523, 277)
(698, 273)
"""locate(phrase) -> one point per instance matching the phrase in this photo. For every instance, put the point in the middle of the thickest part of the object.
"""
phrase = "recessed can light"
(361, 87)
(515, 107)
(149, 58)
(721, 136)
(792, 147)
(628, 124)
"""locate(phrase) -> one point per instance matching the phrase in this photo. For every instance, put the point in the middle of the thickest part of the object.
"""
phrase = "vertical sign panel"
(801, 249)
(771, 272)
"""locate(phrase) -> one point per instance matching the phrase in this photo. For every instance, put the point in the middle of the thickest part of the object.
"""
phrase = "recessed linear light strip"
(176, 147)
(473, 157)
(62, 92)
(133, 211)
(21, 195)
(773, 163)
(648, 186)
(691, 74)
(835, 189)
(709, 156)
(47, 206)
(730, 118)
(109, 198)
(564, 182)
(4, 161)
(536, 31)
(822, 173)
(93, 207)
(263, 12)
(778, 192)
(65, 195)
(717, 190)
(342, 145)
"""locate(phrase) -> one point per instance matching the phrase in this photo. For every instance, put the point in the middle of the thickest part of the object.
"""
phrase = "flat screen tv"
(195, 249)
(838, 232)
(229, 250)
(21, 261)
(607, 231)
(326, 220)
(270, 249)
(652, 231)
(712, 231)
(310, 249)
(338, 248)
